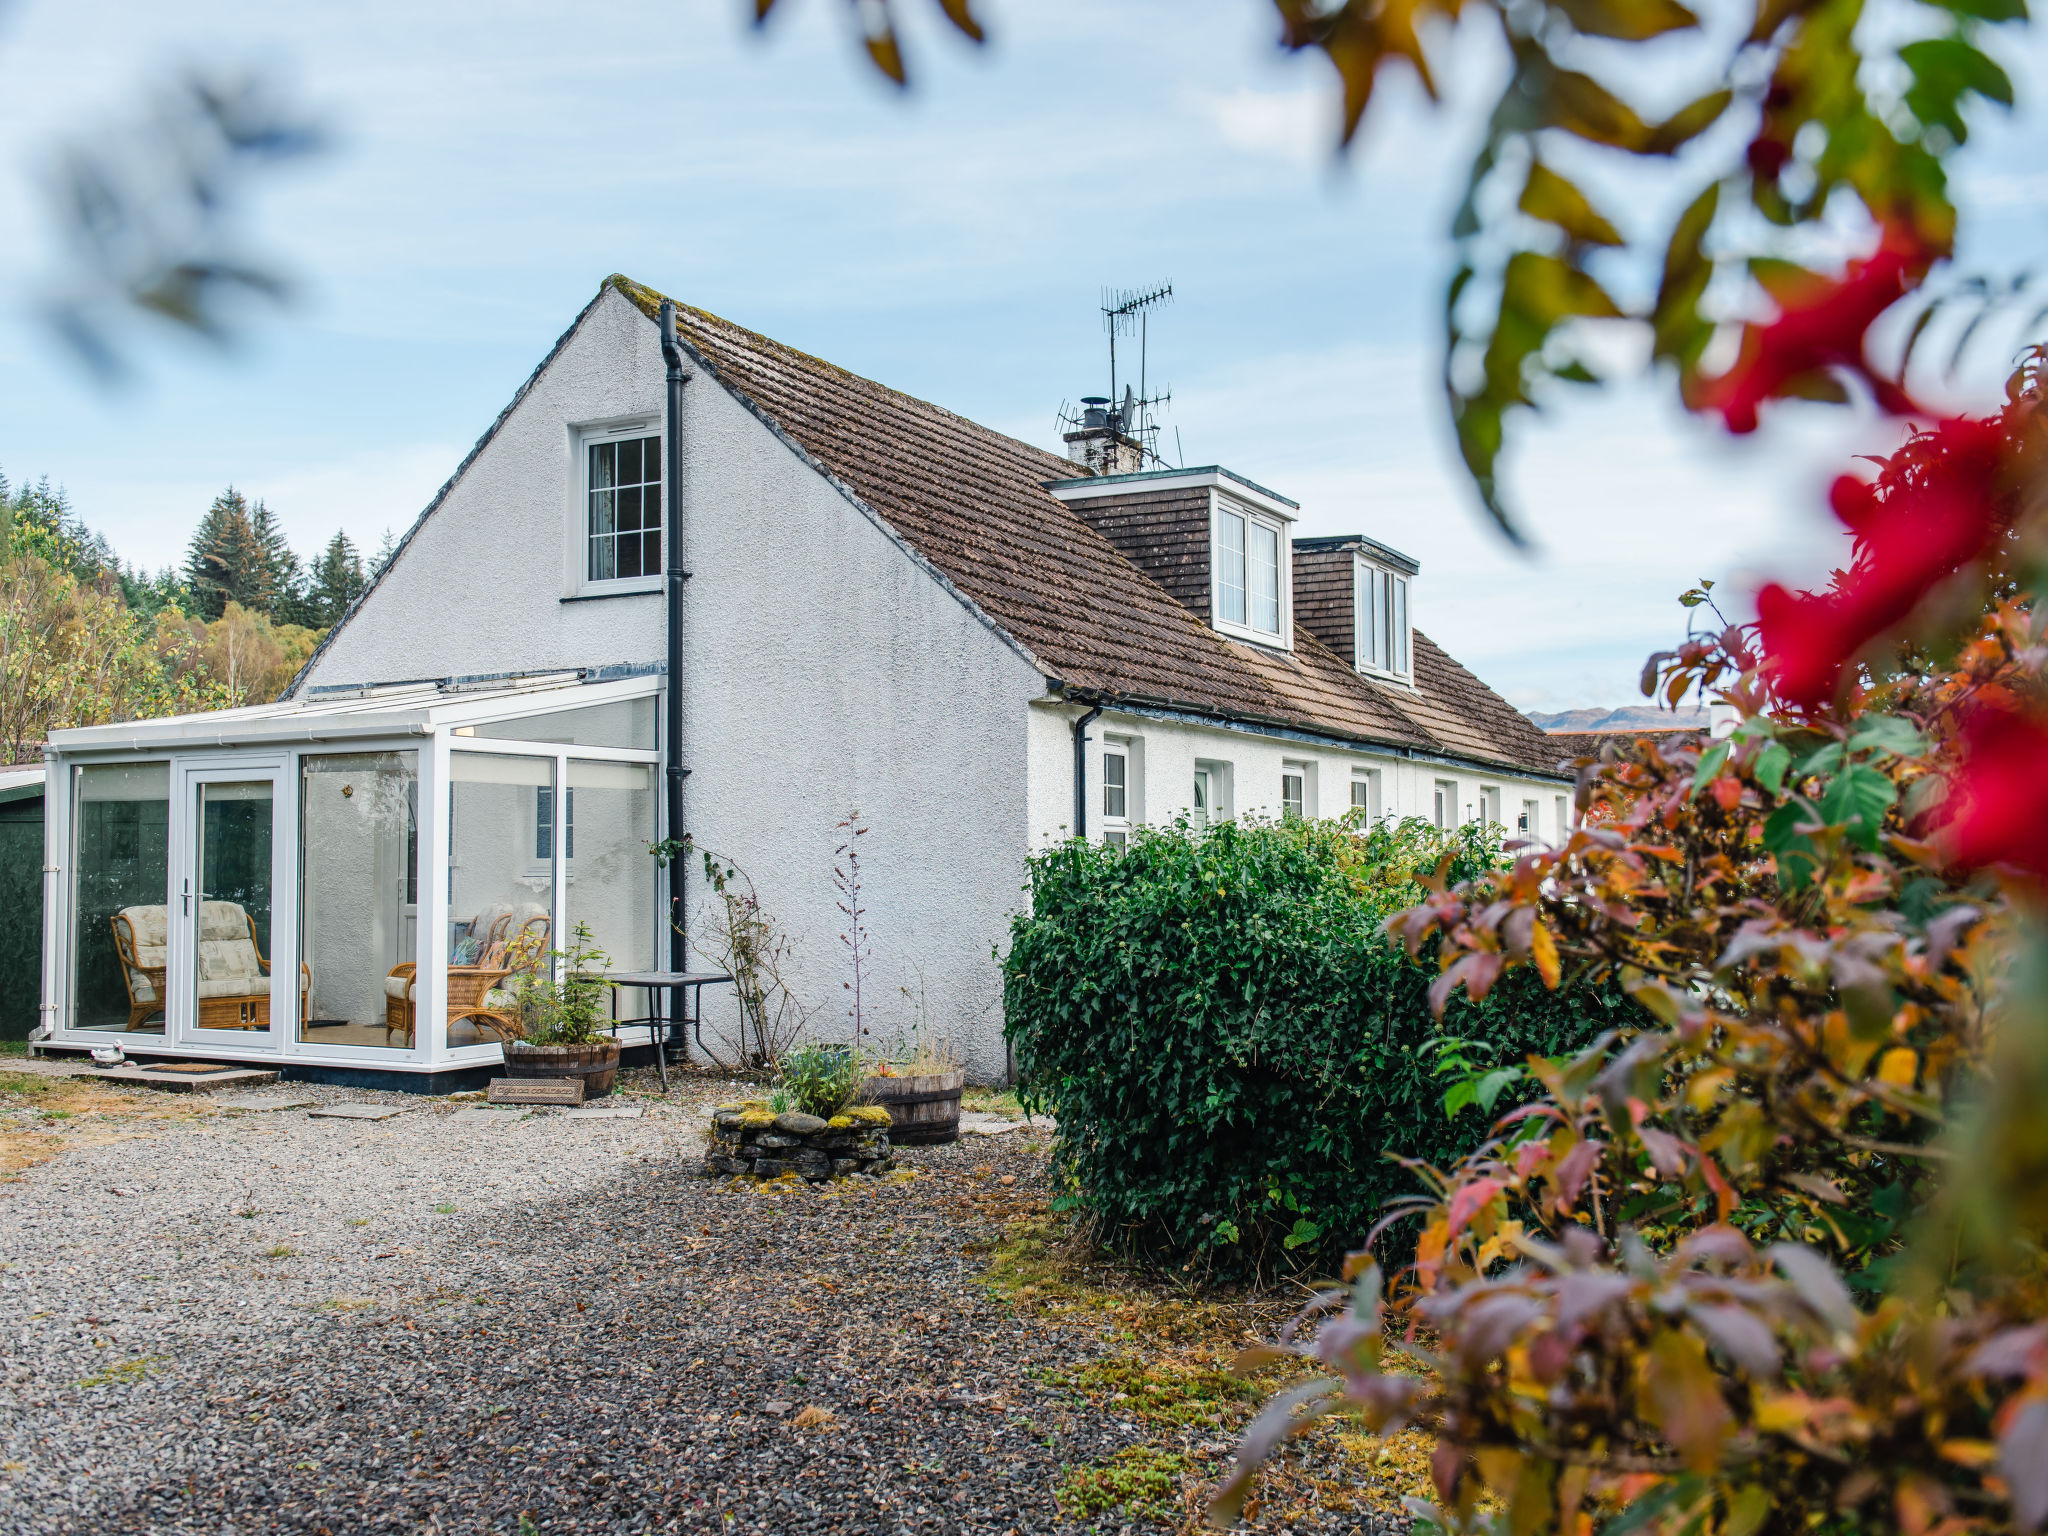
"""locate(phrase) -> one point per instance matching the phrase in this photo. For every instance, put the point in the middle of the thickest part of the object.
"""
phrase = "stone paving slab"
(476, 1115)
(358, 1111)
(258, 1103)
(137, 1073)
(975, 1123)
(604, 1112)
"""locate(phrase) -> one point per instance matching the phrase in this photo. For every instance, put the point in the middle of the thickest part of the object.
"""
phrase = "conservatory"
(360, 879)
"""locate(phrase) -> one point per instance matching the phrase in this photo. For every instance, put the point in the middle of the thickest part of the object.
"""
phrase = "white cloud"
(1295, 125)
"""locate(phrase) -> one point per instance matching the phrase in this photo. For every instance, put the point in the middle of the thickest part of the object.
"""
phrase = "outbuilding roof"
(973, 504)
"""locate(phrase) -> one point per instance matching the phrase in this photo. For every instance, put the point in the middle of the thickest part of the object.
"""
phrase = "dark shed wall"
(1164, 533)
(21, 915)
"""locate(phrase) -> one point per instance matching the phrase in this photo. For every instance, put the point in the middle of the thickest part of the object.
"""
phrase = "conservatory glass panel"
(611, 875)
(622, 723)
(500, 891)
(358, 897)
(120, 868)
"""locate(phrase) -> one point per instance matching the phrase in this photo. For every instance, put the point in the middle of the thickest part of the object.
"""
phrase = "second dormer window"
(1247, 572)
(1383, 634)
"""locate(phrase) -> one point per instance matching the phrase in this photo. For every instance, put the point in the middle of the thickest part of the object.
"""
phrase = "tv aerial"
(1127, 312)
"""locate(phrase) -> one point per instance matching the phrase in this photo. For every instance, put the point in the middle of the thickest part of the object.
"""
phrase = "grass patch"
(120, 1373)
(357, 1221)
(13, 1048)
(444, 1209)
(992, 1101)
(280, 1251)
(1162, 1391)
(1143, 1481)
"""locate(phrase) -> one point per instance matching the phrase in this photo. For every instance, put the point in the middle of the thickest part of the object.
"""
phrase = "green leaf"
(1305, 1231)
(1630, 20)
(1549, 197)
(1585, 108)
(1945, 70)
(1987, 10)
(1858, 799)
(1770, 765)
(1709, 767)
(1679, 332)
(1888, 733)
(1822, 760)
(1797, 855)
(1688, 123)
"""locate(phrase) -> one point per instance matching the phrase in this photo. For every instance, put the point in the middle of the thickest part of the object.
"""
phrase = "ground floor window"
(1293, 792)
(501, 894)
(1445, 811)
(611, 885)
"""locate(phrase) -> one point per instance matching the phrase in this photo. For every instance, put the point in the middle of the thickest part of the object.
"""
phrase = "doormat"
(189, 1066)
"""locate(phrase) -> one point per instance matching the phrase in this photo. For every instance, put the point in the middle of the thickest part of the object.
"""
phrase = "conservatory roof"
(335, 714)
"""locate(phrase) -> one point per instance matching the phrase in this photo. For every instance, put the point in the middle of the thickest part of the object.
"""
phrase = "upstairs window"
(1382, 619)
(1248, 574)
(624, 496)
(544, 824)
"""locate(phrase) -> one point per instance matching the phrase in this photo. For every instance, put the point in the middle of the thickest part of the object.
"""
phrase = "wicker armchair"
(470, 987)
(234, 977)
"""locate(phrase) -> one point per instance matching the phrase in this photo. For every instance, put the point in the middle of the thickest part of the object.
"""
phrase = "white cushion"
(398, 987)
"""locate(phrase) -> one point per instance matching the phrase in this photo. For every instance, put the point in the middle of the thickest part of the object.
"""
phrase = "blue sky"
(491, 162)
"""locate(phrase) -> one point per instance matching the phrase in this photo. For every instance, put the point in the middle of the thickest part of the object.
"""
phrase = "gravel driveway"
(471, 1320)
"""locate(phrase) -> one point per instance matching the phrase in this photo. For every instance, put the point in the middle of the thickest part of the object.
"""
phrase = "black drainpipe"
(1081, 771)
(678, 936)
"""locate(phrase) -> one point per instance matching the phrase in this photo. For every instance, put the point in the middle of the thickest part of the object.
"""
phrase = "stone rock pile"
(748, 1139)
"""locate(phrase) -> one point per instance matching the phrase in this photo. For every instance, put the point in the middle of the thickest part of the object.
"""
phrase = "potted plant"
(562, 1020)
(919, 1083)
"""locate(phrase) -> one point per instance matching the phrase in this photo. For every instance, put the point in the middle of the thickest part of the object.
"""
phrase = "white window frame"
(1564, 817)
(1445, 809)
(581, 440)
(1281, 529)
(1215, 776)
(1489, 805)
(1116, 827)
(1367, 780)
(1382, 642)
(1529, 824)
(1304, 769)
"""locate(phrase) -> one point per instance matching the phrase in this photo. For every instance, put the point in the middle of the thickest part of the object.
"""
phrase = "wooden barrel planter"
(597, 1065)
(924, 1111)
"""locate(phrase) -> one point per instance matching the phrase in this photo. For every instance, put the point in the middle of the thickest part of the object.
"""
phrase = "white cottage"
(980, 646)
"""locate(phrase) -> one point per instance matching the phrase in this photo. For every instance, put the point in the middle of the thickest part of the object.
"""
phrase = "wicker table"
(661, 1025)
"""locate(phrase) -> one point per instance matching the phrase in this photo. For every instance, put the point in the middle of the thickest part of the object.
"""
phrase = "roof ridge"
(648, 301)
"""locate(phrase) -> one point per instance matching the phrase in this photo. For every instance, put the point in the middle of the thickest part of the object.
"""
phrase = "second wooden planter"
(597, 1065)
(923, 1111)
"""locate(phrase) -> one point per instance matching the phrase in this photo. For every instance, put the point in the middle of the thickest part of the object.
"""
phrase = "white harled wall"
(1171, 748)
(825, 671)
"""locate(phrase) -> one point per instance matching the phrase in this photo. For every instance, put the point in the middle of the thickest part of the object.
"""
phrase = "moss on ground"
(1165, 1367)
(1141, 1481)
(77, 1112)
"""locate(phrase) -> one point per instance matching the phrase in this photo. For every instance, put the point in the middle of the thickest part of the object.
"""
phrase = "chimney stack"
(1099, 441)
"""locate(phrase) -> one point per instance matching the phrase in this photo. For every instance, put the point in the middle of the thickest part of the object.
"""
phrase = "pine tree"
(336, 580)
(288, 600)
(384, 553)
(228, 561)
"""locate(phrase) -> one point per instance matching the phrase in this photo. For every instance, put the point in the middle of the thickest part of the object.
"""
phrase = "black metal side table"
(661, 1024)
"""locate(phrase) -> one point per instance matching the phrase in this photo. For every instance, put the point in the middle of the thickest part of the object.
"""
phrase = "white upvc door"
(231, 969)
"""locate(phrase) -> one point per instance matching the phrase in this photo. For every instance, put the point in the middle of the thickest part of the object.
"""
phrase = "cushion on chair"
(148, 927)
(398, 987)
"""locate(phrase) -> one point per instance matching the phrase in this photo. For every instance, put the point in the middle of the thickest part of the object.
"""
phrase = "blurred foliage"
(1776, 1260)
(147, 215)
(1799, 123)
(1230, 1044)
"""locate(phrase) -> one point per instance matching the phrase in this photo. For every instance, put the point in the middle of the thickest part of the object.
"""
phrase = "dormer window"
(1250, 569)
(1381, 601)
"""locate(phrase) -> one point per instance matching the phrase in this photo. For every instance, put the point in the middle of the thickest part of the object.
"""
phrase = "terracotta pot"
(597, 1065)
(924, 1110)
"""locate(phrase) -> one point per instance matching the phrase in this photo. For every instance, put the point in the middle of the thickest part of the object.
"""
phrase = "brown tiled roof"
(972, 504)
(1571, 744)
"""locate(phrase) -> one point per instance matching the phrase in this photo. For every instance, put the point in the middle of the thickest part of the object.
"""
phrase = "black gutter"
(1081, 771)
(678, 936)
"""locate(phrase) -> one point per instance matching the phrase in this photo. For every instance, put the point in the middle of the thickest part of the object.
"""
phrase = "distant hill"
(1630, 717)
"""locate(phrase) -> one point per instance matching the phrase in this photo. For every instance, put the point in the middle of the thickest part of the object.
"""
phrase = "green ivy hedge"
(1233, 1047)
